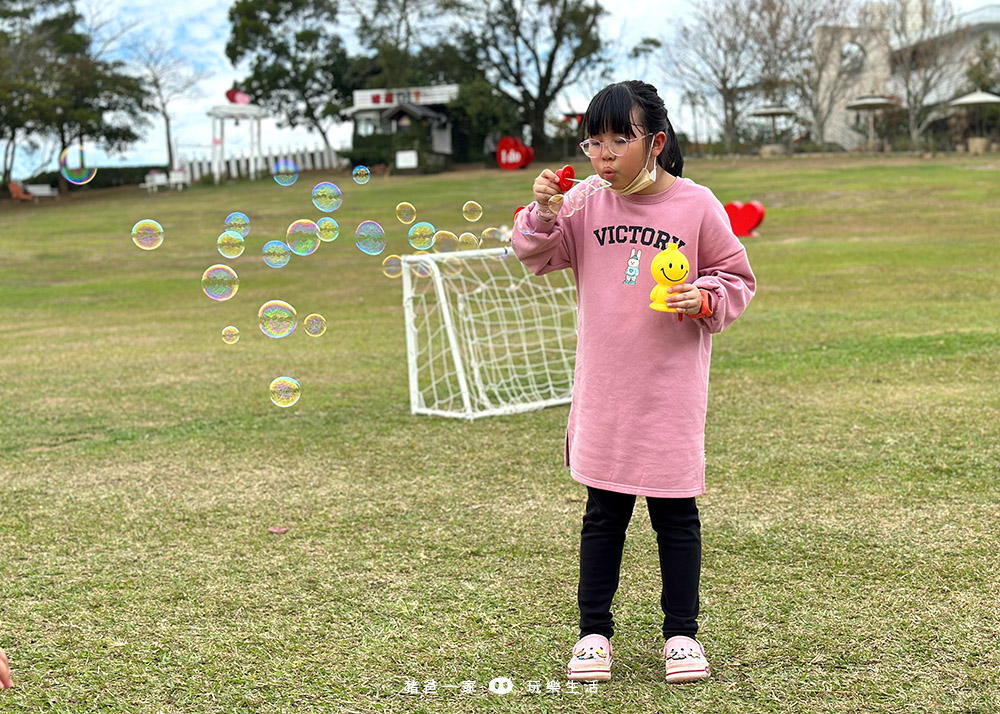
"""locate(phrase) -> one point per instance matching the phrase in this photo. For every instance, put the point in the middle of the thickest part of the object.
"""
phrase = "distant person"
(5, 682)
(637, 421)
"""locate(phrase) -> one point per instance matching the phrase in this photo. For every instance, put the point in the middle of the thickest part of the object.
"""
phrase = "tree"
(21, 66)
(710, 56)
(299, 68)
(64, 91)
(927, 48)
(86, 98)
(531, 50)
(169, 76)
(809, 55)
(837, 62)
(983, 72)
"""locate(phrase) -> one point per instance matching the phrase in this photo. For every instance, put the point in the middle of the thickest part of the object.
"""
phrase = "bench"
(17, 193)
(41, 190)
(179, 179)
(31, 193)
(154, 182)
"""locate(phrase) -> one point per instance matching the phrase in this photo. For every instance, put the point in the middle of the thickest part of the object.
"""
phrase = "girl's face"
(639, 152)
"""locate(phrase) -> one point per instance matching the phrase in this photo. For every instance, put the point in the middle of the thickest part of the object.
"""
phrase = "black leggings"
(678, 538)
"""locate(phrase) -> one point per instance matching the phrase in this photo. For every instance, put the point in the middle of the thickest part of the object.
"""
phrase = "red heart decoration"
(529, 156)
(744, 217)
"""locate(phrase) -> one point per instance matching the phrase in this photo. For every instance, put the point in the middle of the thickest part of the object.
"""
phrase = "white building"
(879, 73)
(391, 111)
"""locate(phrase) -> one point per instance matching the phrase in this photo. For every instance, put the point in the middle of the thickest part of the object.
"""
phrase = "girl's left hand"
(686, 298)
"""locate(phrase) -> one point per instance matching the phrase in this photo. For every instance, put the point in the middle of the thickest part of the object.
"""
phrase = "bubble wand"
(572, 198)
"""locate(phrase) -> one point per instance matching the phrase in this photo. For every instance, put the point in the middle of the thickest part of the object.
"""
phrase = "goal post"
(485, 336)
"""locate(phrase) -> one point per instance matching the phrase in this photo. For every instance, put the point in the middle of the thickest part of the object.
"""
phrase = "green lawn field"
(850, 525)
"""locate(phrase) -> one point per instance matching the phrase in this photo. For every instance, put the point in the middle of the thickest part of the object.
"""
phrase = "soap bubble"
(422, 269)
(445, 242)
(451, 266)
(392, 266)
(361, 175)
(421, 235)
(276, 254)
(230, 335)
(147, 234)
(302, 237)
(315, 325)
(327, 196)
(285, 171)
(220, 282)
(238, 222)
(329, 229)
(79, 175)
(277, 319)
(405, 212)
(468, 241)
(370, 238)
(230, 244)
(472, 211)
(285, 391)
(490, 238)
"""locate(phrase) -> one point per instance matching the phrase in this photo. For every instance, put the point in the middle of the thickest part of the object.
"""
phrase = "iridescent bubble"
(79, 175)
(468, 241)
(285, 391)
(238, 222)
(285, 171)
(329, 229)
(147, 234)
(405, 212)
(276, 254)
(451, 266)
(327, 196)
(490, 238)
(445, 242)
(422, 269)
(370, 238)
(392, 266)
(277, 319)
(302, 237)
(421, 235)
(220, 282)
(230, 335)
(472, 211)
(361, 175)
(315, 325)
(230, 244)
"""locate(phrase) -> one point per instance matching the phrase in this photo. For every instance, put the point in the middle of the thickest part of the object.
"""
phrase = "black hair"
(611, 111)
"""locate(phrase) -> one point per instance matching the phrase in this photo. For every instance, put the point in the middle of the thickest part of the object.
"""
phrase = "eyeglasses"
(618, 146)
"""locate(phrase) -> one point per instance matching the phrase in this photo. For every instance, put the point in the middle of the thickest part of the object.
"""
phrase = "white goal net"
(484, 336)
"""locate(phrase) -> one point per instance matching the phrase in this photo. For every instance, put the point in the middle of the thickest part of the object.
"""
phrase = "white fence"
(241, 166)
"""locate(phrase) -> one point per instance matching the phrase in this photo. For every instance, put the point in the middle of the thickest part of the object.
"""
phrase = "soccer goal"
(484, 336)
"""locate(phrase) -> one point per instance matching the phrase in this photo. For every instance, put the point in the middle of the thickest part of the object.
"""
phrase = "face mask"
(642, 180)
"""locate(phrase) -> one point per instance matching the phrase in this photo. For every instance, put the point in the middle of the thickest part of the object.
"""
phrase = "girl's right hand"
(546, 186)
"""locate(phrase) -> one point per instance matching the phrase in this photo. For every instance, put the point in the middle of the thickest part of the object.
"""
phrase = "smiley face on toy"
(670, 267)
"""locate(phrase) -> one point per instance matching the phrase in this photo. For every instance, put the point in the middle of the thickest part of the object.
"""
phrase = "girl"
(637, 422)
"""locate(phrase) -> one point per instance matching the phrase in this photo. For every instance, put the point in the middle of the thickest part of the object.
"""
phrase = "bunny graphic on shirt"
(632, 271)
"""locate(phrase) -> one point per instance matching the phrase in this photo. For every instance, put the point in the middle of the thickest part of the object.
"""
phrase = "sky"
(198, 29)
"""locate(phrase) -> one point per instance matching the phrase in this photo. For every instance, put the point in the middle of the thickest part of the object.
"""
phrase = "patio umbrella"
(774, 112)
(976, 99)
(871, 104)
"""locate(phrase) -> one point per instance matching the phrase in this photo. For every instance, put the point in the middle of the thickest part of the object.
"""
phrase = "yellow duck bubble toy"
(669, 267)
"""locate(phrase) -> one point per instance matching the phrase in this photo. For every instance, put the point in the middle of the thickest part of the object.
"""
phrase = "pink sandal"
(686, 660)
(591, 661)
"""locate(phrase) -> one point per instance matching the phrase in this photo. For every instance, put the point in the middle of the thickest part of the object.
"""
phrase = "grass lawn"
(850, 526)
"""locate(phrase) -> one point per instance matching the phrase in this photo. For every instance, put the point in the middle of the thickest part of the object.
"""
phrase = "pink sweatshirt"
(637, 422)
